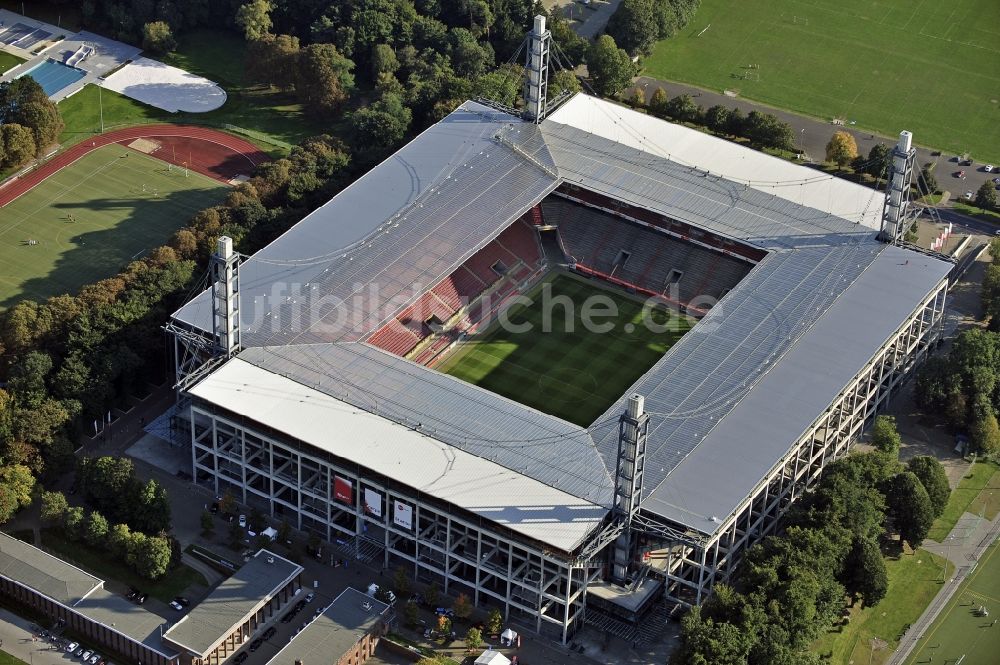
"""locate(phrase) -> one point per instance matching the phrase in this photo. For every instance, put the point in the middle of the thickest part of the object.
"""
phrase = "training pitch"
(567, 370)
(88, 220)
(930, 67)
(959, 630)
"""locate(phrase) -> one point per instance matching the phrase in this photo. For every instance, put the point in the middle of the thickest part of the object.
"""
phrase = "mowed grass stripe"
(930, 67)
(574, 373)
(122, 207)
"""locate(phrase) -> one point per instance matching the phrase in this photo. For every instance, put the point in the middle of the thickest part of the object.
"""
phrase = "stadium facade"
(323, 407)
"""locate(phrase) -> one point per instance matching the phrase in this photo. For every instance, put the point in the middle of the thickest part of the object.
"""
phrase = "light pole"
(100, 103)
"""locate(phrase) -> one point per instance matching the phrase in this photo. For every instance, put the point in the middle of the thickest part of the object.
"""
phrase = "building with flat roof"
(346, 633)
(222, 622)
(46, 584)
(323, 406)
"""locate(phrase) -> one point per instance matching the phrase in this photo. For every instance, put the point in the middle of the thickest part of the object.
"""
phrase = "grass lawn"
(98, 563)
(974, 211)
(8, 61)
(914, 579)
(81, 113)
(930, 67)
(115, 221)
(7, 659)
(569, 371)
(958, 631)
(982, 477)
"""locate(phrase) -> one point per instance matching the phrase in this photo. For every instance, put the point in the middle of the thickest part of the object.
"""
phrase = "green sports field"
(90, 218)
(563, 368)
(958, 630)
(930, 67)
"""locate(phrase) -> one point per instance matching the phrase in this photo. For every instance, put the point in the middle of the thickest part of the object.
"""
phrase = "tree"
(235, 535)
(462, 606)
(432, 594)
(16, 484)
(561, 81)
(469, 57)
(401, 582)
(324, 78)
(285, 532)
(444, 623)
(411, 614)
(151, 556)
(18, 144)
(254, 18)
(658, 103)
(474, 638)
(868, 575)
(910, 508)
(683, 109)
(272, 60)
(633, 26)
(986, 196)
(611, 70)
(382, 124)
(384, 61)
(708, 642)
(717, 118)
(120, 540)
(227, 503)
(53, 507)
(158, 38)
(73, 522)
(928, 183)
(764, 129)
(207, 522)
(985, 434)
(841, 149)
(884, 436)
(879, 160)
(494, 622)
(96, 529)
(931, 475)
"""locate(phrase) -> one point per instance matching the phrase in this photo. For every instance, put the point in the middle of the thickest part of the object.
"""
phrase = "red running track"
(209, 151)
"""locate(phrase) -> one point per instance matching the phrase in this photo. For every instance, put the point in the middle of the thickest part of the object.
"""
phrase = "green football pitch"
(549, 360)
(930, 67)
(959, 631)
(88, 220)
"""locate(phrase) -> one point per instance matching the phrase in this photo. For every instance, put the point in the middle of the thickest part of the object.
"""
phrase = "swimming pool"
(54, 76)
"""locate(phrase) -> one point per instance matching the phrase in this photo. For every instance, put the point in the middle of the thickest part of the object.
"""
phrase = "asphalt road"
(812, 135)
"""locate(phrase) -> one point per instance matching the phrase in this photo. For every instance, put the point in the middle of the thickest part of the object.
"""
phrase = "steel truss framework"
(537, 587)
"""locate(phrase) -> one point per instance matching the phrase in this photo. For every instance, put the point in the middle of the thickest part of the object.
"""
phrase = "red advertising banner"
(343, 490)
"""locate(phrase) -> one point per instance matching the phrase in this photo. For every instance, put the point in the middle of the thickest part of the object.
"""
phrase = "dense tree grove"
(793, 586)
(29, 122)
(637, 24)
(962, 389)
(763, 130)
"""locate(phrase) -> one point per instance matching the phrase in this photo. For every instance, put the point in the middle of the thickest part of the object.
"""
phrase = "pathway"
(16, 638)
(964, 546)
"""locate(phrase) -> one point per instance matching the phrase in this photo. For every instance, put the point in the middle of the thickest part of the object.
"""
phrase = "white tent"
(508, 637)
(270, 532)
(492, 658)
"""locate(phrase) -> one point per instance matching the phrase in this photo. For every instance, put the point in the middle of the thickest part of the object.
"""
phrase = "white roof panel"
(480, 486)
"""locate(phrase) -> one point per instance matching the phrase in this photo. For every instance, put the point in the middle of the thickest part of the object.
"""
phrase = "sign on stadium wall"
(373, 502)
(403, 515)
(343, 490)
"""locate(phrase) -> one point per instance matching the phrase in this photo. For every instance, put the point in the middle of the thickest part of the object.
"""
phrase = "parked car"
(142, 598)
(132, 594)
(269, 633)
(988, 168)
(288, 617)
(93, 659)
(243, 521)
(256, 644)
(72, 646)
(959, 174)
(86, 655)
(177, 606)
(214, 508)
(969, 195)
(182, 601)
(240, 657)
(445, 611)
(310, 596)
(79, 652)
(996, 181)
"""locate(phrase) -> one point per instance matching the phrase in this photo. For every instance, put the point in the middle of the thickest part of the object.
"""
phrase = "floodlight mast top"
(897, 194)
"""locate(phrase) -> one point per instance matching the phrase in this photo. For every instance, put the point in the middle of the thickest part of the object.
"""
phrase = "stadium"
(381, 374)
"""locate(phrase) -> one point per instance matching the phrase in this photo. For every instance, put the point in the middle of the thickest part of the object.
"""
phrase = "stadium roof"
(412, 456)
(470, 177)
(230, 603)
(350, 616)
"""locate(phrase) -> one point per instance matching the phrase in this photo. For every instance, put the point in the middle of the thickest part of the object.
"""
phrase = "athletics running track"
(240, 155)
